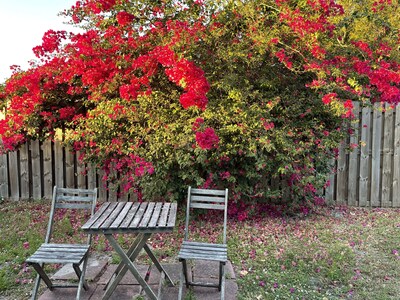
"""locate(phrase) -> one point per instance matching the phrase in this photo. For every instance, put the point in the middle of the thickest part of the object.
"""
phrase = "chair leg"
(222, 280)
(43, 275)
(182, 278)
(184, 269)
(36, 287)
(81, 276)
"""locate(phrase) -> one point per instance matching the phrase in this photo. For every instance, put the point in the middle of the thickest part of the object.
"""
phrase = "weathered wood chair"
(195, 250)
(52, 253)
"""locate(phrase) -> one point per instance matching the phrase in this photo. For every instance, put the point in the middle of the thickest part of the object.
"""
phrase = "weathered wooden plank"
(14, 175)
(69, 168)
(80, 172)
(92, 177)
(124, 212)
(48, 181)
(330, 185)
(139, 214)
(147, 215)
(353, 176)
(172, 215)
(376, 156)
(396, 160)
(58, 162)
(113, 215)
(24, 171)
(164, 215)
(207, 192)
(105, 215)
(131, 214)
(102, 185)
(387, 160)
(156, 215)
(98, 214)
(341, 187)
(3, 176)
(36, 170)
(207, 199)
(365, 161)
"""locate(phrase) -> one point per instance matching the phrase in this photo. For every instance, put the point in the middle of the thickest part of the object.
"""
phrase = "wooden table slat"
(104, 216)
(172, 215)
(156, 215)
(131, 214)
(122, 215)
(147, 215)
(164, 215)
(113, 215)
(139, 214)
(95, 217)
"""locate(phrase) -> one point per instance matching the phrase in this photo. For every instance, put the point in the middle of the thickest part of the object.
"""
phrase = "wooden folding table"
(142, 219)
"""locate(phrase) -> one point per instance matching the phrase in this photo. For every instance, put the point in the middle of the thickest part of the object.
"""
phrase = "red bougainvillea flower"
(124, 18)
(328, 98)
(207, 139)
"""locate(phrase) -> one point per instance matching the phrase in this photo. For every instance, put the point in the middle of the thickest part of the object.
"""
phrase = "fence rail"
(368, 176)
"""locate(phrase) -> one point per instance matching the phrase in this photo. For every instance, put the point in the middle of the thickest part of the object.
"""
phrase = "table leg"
(129, 264)
(157, 263)
(131, 253)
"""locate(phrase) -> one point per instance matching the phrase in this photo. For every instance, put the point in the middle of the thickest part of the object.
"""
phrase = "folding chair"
(52, 253)
(192, 250)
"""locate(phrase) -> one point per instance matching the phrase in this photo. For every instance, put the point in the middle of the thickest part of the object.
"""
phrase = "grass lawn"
(337, 253)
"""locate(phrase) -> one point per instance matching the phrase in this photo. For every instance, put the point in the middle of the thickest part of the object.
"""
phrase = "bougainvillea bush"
(249, 95)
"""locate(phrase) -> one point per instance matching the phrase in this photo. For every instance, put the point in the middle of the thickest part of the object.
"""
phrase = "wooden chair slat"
(208, 199)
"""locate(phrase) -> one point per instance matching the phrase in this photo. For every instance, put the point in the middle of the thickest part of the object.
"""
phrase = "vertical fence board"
(24, 167)
(387, 159)
(69, 169)
(13, 174)
(365, 146)
(3, 177)
(376, 156)
(47, 169)
(59, 164)
(80, 173)
(36, 170)
(102, 185)
(396, 160)
(91, 175)
(352, 198)
(341, 183)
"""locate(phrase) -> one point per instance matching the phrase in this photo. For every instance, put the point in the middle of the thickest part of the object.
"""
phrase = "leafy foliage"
(240, 94)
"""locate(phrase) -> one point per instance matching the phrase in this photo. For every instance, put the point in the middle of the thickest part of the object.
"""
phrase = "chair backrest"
(207, 199)
(67, 198)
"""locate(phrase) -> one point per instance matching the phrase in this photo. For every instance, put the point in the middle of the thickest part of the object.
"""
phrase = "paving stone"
(94, 269)
(173, 270)
(68, 293)
(206, 293)
(210, 269)
(128, 277)
(122, 292)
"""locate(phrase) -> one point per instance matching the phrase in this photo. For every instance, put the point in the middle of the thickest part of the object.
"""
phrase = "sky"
(22, 25)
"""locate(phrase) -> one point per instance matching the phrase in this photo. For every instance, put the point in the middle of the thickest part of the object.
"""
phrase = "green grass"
(346, 253)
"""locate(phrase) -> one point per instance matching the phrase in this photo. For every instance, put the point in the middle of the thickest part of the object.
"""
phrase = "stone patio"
(100, 270)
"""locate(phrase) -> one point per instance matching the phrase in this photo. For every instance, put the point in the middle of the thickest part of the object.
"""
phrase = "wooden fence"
(369, 176)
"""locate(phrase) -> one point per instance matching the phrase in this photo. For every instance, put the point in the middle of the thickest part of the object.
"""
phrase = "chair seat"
(205, 251)
(59, 254)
